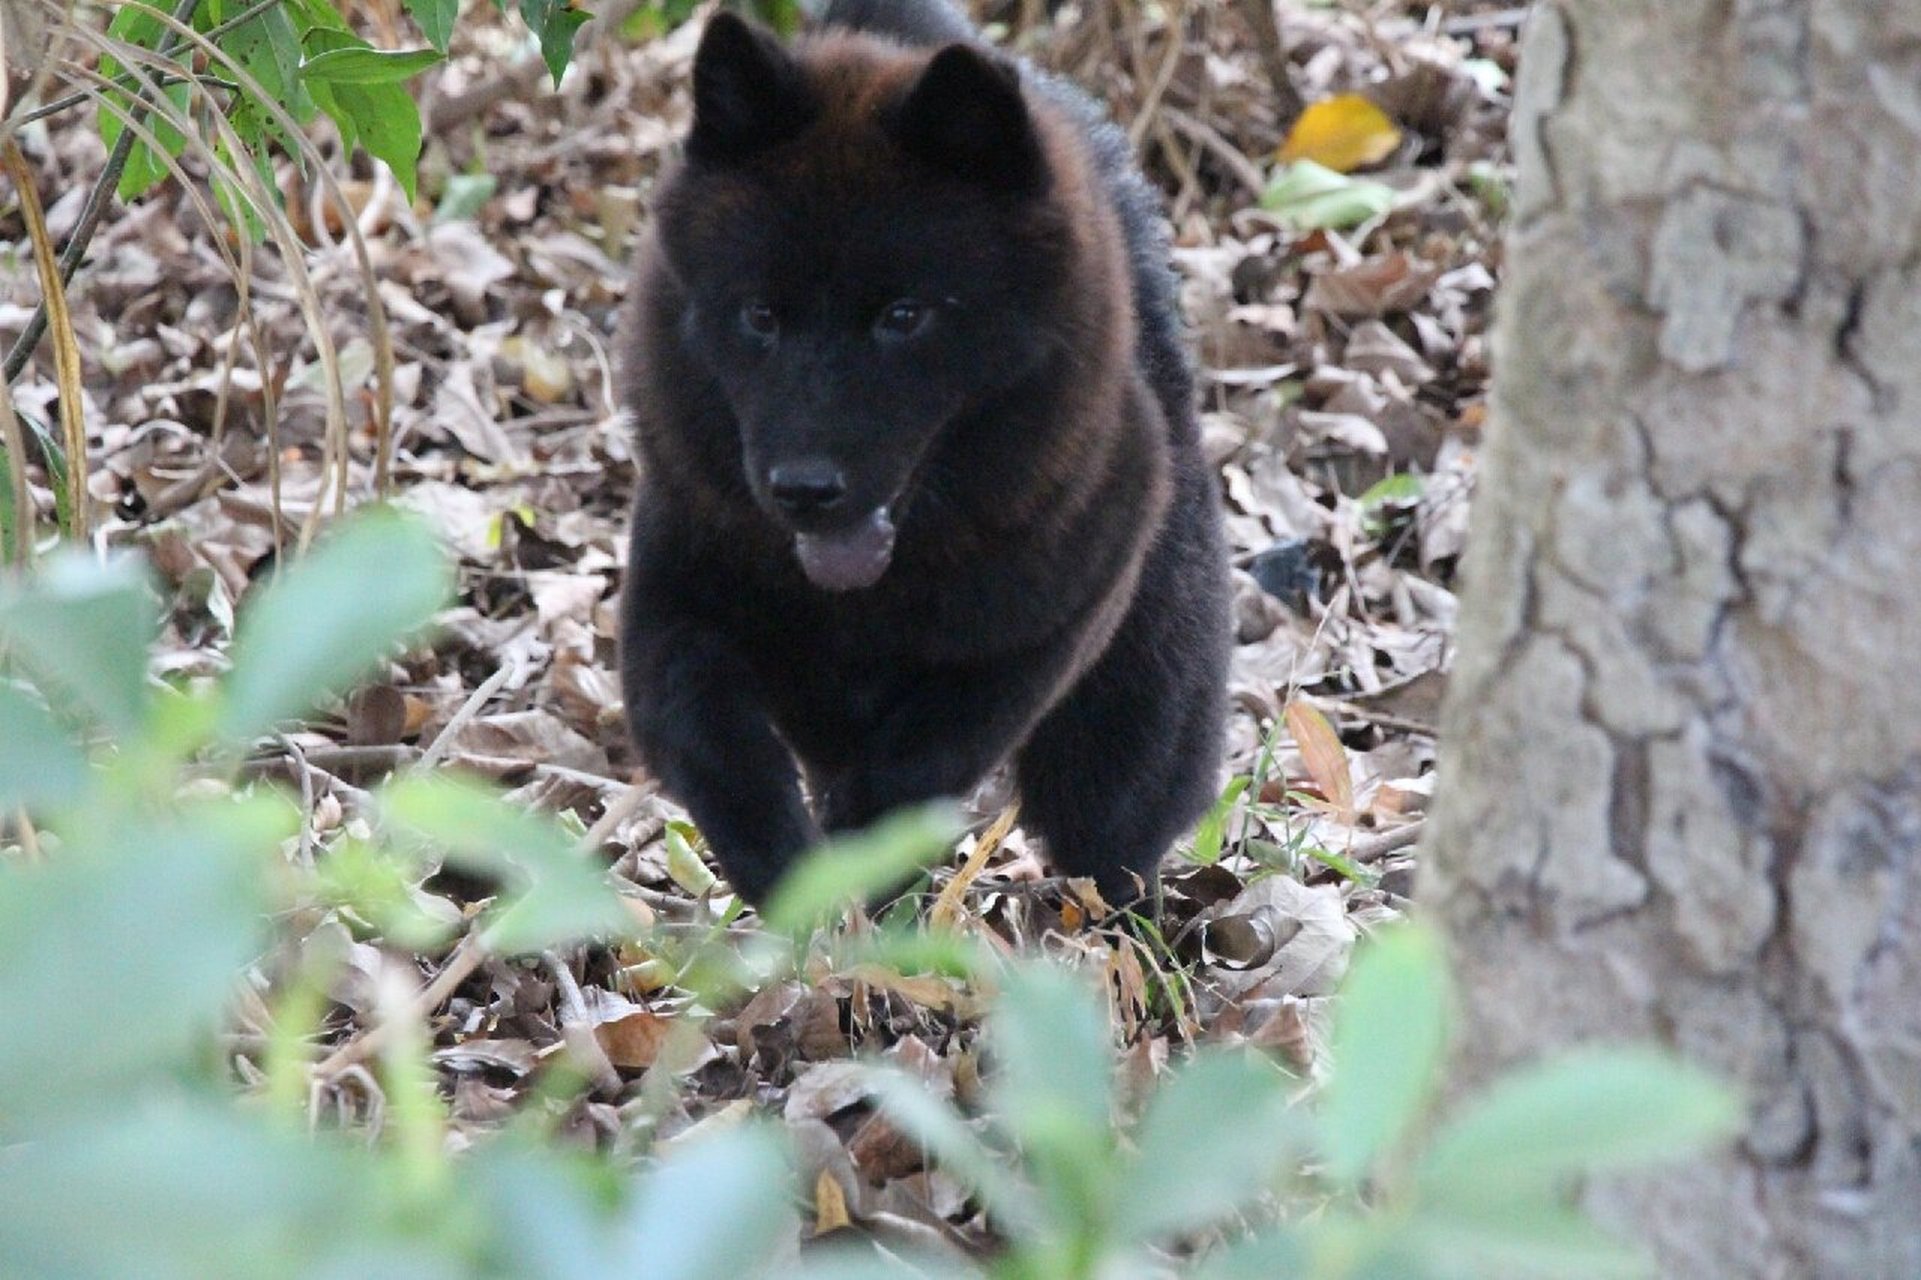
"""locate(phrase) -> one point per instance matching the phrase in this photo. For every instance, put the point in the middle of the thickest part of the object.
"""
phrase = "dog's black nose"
(807, 487)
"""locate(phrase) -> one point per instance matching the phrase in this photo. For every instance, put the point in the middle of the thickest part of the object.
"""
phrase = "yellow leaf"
(1343, 133)
(830, 1205)
(1324, 756)
(947, 906)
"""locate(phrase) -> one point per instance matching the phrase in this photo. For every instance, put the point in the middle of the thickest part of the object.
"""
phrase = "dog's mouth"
(849, 559)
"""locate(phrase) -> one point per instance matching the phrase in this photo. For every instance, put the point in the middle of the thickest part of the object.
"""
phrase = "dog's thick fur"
(933, 285)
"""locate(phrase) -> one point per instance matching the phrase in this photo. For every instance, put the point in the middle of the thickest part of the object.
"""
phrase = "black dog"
(921, 482)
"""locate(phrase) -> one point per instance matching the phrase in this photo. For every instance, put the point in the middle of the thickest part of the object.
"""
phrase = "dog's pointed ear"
(749, 93)
(967, 114)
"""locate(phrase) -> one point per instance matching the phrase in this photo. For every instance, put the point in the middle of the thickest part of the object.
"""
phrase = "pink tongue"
(849, 559)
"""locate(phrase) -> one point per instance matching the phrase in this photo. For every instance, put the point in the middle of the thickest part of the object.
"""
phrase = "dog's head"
(871, 242)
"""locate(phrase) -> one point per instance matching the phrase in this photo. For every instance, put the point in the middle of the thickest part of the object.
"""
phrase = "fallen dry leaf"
(1325, 757)
(1343, 133)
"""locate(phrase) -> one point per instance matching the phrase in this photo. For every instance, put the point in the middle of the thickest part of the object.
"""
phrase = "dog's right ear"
(749, 93)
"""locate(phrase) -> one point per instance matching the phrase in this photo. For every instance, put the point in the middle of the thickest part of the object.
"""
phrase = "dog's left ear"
(749, 92)
(967, 114)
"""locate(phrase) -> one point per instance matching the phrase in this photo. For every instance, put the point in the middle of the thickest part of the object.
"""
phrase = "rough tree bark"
(1682, 753)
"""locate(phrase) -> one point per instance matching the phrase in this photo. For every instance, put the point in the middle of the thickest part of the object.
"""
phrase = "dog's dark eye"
(758, 319)
(903, 319)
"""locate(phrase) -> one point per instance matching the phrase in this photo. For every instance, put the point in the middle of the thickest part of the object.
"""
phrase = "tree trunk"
(1682, 751)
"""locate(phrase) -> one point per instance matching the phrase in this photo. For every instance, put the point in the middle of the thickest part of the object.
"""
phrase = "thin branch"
(467, 957)
(1259, 16)
(577, 1027)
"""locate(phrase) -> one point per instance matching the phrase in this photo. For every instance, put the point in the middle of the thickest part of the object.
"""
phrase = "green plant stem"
(100, 196)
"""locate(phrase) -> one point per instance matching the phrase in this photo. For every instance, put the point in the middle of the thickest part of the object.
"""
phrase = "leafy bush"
(146, 879)
(280, 65)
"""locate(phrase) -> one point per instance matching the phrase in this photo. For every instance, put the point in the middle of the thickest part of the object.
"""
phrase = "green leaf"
(1346, 866)
(539, 1212)
(555, 894)
(1401, 488)
(378, 888)
(383, 118)
(85, 627)
(866, 1262)
(849, 868)
(139, 25)
(684, 866)
(1311, 197)
(1268, 1256)
(39, 763)
(196, 1186)
(327, 619)
(115, 963)
(939, 1129)
(1053, 1090)
(235, 202)
(436, 20)
(368, 65)
(1593, 1109)
(554, 23)
(269, 48)
(1211, 1139)
(1528, 1237)
(54, 459)
(1212, 831)
(465, 196)
(715, 1211)
(1390, 1029)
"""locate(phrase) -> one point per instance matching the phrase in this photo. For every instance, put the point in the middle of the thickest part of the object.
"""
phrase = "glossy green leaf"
(82, 628)
(1390, 1030)
(436, 20)
(383, 118)
(1401, 488)
(268, 46)
(367, 66)
(327, 619)
(1594, 1109)
(553, 23)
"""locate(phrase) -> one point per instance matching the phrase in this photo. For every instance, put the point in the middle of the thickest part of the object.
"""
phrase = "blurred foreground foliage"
(139, 893)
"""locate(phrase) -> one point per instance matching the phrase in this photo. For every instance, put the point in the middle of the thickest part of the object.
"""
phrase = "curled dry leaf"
(1247, 941)
(1308, 962)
